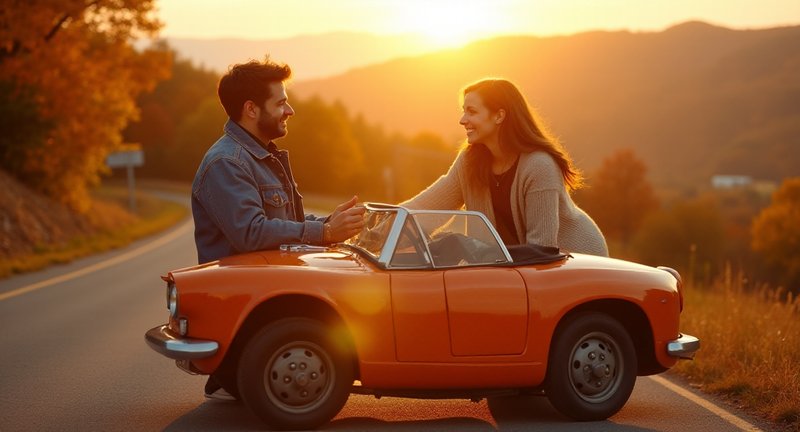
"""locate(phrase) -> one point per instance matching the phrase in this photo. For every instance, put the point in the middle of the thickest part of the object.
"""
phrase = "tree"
(196, 132)
(166, 109)
(738, 208)
(84, 75)
(419, 161)
(325, 155)
(620, 197)
(370, 183)
(687, 236)
(776, 233)
(21, 124)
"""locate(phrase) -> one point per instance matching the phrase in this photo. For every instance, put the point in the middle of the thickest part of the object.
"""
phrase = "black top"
(500, 186)
(535, 254)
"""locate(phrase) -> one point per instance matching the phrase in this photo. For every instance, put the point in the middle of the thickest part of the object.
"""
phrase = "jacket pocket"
(275, 201)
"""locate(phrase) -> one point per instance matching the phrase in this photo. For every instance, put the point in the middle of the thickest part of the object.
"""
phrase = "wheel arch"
(636, 323)
(290, 306)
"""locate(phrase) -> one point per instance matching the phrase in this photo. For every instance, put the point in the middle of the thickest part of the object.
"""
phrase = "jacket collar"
(246, 140)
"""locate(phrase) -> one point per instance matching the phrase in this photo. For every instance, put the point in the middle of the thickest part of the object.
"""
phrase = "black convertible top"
(535, 254)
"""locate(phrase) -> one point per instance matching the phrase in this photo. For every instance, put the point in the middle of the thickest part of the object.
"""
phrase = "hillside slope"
(29, 220)
(692, 101)
(310, 56)
(34, 225)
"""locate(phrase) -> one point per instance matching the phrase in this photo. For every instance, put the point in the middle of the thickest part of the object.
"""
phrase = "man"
(244, 197)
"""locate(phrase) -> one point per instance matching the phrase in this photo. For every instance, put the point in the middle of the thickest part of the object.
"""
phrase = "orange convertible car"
(422, 304)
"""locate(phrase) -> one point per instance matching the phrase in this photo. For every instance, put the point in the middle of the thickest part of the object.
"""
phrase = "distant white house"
(729, 181)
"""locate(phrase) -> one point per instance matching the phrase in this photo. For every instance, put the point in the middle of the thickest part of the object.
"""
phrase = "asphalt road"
(73, 357)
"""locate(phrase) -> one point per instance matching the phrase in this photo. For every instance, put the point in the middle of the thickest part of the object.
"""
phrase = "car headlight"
(172, 300)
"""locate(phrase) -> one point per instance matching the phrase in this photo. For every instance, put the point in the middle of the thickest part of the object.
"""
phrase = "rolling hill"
(310, 56)
(692, 101)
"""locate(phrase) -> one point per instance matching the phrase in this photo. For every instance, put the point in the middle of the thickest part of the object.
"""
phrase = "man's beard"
(270, 128)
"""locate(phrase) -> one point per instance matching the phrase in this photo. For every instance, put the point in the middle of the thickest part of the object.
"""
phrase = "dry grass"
(112, 226)
(750, 347)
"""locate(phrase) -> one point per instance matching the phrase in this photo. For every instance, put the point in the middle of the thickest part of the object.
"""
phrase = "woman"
(512, 171)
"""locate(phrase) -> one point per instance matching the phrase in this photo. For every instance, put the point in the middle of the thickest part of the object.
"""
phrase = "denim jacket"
(244, 200)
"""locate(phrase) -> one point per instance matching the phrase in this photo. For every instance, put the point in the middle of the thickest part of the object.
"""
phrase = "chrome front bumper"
(167, 343)
(684, 347)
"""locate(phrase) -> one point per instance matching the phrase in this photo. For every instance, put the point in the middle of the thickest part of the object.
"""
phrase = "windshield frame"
(393, 237)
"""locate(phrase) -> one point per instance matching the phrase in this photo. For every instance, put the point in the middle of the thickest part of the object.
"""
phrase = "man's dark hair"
(249, 81)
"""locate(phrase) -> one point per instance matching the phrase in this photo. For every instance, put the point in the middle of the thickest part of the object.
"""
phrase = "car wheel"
(293, 375)
(592, 367)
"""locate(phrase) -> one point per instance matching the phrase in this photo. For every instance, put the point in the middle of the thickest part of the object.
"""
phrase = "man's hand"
(343, 206)
(346, 221)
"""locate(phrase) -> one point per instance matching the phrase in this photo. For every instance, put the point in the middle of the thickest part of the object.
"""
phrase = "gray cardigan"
(543, 210)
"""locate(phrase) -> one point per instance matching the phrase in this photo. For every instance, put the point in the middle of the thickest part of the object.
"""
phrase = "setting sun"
(449, 23)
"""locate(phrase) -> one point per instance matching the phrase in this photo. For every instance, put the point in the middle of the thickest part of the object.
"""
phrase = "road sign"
(133, 158)
(127, 159)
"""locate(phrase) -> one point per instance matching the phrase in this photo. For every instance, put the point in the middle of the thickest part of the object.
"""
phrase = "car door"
(487, 311)
(419, 312)
(440, 316)
(453, 295)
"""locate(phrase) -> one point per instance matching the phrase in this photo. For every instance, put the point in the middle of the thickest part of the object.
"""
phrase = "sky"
(456, 22)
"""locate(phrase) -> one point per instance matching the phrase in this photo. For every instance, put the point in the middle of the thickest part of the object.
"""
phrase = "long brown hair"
(520, 131)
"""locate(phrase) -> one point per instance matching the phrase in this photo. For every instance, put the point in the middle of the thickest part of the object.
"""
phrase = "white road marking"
(186, 226)
(719, 412)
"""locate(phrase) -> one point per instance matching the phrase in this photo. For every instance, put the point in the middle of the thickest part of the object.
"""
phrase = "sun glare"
(449, 23)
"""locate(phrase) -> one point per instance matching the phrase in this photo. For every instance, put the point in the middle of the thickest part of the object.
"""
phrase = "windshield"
(423, 239)
(372, 238)
(458, 239)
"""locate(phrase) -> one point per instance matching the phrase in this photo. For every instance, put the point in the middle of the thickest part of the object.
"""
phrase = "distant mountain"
(692, 101)
(312, 56)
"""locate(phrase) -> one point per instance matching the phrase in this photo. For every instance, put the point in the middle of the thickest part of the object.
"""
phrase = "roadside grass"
(114, 227)
(750, 347)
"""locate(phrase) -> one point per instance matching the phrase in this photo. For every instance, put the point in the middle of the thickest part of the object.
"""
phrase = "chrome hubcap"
(595, 366)
(299, 377)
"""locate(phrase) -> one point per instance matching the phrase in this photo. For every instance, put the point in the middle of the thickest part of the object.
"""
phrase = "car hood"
(584, 261)
(339, 258)
(329, 258)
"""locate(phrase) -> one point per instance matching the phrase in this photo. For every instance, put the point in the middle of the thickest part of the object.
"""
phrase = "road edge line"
(715, 409)
(101, 265)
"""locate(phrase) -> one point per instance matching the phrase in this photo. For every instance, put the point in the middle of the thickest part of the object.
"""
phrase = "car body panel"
(487, 310)
(601, 279)
(361, 297)
(462, 325)
(430, 324)
(419, 313)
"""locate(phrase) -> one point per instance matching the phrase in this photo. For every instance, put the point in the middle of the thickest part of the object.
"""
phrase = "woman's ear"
(499, 116)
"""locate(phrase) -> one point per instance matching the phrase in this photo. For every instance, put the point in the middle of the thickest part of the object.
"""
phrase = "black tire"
(592, 367)
(293, 375)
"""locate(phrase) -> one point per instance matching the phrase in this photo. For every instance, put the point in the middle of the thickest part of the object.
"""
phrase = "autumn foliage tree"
(179, 120)
(776, 233)
(71, 64)
(619, 196)
(688, 235)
